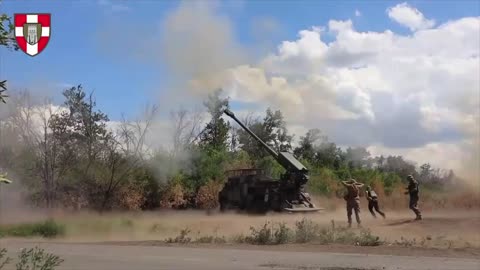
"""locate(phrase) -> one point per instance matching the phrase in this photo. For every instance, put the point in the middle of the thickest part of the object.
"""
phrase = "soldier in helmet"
(353, 200)
(412, 190)
(373, 202)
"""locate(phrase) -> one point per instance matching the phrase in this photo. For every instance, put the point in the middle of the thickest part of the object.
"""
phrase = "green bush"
(306, 231)
(367, 239)
(47, 229)
(37, 259)
(238, 238)
(282, 234)
(261, 236)
(209, 239)
(32, 259)
(182, 238)
(269, 234)
(309, 232)
(3, 259)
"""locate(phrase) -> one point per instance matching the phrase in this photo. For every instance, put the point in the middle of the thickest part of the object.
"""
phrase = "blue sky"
(73, 55)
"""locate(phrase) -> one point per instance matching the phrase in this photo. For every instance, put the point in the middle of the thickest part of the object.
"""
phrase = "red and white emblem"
(32, 32)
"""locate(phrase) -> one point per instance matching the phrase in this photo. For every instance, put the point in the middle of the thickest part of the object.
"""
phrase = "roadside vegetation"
(304, 231)
(31, 259)
(46, 229)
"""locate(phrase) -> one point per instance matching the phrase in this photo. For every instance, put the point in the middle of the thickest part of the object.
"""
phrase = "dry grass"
(444, 226)
(441, 229)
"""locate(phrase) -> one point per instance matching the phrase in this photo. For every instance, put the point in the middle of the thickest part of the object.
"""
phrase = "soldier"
(412, 190)
(353, 200)
(373, 202)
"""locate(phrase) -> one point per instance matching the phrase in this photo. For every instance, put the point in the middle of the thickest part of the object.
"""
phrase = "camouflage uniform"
(412, 190)
(373, 202)
(353, 200)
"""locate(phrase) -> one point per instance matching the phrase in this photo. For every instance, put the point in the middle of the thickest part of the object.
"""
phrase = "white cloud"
(417, 95)
(358, 13)
(410, 17)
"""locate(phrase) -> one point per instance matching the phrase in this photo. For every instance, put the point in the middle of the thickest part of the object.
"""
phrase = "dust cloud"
(20, 117)
(13, 204)
(469, 170)
(442, 228)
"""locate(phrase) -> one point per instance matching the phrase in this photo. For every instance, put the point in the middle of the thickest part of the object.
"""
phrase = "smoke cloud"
(198, 47)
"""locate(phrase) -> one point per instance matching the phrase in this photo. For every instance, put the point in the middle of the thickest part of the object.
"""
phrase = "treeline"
(71, 156)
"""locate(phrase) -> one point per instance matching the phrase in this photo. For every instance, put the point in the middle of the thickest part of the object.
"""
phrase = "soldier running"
(353, 200)
(373, 202)
(412, 190)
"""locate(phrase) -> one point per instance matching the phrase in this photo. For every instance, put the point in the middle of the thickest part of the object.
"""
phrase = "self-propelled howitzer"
(251, 190)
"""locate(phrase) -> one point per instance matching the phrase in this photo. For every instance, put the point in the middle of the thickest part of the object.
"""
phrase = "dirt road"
(117, 257)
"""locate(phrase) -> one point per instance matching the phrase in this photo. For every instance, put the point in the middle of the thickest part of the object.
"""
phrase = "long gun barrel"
(286, 159)
(268, 148)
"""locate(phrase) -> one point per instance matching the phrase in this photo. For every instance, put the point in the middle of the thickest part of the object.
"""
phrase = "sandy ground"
(439, 229)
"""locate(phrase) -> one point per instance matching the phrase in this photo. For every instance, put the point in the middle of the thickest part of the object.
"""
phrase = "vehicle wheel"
(276, 204)
(223, 206)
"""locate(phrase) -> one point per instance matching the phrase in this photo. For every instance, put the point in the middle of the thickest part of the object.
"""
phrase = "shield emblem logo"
(32, 32)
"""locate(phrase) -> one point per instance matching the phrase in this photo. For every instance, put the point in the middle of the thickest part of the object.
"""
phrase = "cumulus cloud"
(414, 94)
(409, 94)
(410, 17)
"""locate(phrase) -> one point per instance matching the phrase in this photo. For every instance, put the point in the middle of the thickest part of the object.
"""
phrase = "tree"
(396, 164)
(215, 134)
(6, 40)
(307, 145)
(82, 127)
(271, 130)
(129, 180)
(357, 157)
(47, 155)
(87, 151)
(186, 128)
(3, 89)
(27, 144)
(276, 131)
(329, 155)
(7, 29)
(425, 172)
(246, 142)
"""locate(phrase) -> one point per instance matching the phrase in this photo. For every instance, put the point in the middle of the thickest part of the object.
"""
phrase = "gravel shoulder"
(147, 256)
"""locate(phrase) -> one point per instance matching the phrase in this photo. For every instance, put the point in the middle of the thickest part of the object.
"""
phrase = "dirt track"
(442, 229)
(105, 257)
(438, 229)
(449, 240)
